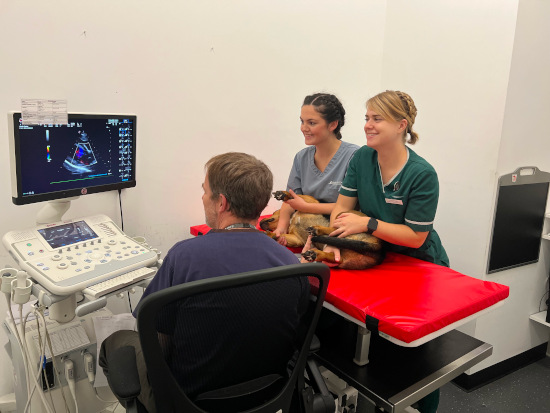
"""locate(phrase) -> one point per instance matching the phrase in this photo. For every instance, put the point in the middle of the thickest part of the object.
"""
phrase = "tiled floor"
(524, 390)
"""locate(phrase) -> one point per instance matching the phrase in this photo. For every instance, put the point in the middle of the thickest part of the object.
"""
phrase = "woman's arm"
(299, 204)
(398, 234)
(285, 213)
(343, 204)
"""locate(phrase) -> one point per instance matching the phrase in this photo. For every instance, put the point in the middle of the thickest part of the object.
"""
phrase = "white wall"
(454, 59)
(524, 142)
(204, 77)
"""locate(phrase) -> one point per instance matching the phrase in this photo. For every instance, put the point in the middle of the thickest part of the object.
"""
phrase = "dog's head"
(268, 224)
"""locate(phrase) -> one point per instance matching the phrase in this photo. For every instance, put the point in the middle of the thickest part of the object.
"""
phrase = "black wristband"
(372, 225)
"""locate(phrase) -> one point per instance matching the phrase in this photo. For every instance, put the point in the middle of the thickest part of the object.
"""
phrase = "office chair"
(245, 384)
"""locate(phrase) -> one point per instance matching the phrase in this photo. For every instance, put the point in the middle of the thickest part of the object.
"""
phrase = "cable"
(120, 205)
(102, 399)
(542, 298)
(40, 311)
(56, 372)
(129, 302)
(24, 349)
(21, 339)
(41, 364)
(69, 376)
(89, 368)
(25, 360)
(43, 374)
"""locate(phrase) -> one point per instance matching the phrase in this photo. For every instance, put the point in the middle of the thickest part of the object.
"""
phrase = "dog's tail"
(349, 244)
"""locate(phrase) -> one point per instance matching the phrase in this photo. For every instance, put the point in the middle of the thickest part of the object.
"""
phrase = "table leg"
(362, 346)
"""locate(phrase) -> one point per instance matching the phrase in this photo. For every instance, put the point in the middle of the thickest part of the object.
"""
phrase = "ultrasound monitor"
(91, 153)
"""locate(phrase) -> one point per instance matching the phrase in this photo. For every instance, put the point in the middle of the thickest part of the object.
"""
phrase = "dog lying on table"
(357, 251)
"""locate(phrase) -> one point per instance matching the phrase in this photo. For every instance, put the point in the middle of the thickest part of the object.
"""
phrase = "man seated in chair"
(237, 187)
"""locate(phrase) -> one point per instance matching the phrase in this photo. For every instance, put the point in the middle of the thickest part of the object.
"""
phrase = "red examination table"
(407, 301)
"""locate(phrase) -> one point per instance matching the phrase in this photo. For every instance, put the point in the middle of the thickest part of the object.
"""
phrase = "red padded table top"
(409, 297)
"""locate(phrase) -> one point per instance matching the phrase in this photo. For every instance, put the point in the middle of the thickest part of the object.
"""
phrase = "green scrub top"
(409, 198)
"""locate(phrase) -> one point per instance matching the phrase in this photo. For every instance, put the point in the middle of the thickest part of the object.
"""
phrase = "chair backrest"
(232, 343)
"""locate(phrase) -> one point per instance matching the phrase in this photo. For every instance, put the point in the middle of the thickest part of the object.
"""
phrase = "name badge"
(394, 201)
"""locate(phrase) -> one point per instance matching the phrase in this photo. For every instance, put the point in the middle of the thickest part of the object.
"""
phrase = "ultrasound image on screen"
(90, 151)
(67, 234)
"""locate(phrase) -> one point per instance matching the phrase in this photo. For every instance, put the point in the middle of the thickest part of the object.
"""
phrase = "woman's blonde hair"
(396, 105)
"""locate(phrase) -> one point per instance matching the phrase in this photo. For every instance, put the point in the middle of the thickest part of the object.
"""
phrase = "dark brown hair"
(246, 183)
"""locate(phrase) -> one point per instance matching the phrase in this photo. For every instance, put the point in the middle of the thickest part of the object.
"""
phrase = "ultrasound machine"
(68, 268)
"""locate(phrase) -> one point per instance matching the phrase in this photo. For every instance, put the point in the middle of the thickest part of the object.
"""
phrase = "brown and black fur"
(299, 221)
(357, 251)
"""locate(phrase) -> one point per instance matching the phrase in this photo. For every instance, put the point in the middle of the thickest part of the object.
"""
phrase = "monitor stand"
(53, 211)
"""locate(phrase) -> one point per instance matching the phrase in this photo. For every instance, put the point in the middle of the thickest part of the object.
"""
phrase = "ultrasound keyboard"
(68, 256)
(118, 282)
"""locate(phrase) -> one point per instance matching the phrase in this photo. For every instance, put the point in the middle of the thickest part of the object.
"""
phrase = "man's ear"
(223, 203)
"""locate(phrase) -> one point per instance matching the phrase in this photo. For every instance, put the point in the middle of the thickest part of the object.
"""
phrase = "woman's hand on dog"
(336, 251)
(280, 238)
(296, 202)
(307, 247)
(348, 223)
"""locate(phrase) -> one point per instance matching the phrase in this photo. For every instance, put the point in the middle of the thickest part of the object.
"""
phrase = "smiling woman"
(319, 169)
(396, 189)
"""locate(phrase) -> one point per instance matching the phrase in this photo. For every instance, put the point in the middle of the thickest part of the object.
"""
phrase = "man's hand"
(349, 223)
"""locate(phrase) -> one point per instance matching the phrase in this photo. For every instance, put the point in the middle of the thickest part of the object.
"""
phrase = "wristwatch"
(372, 225)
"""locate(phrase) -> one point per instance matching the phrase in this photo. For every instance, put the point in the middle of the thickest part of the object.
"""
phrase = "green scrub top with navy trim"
(409, 198)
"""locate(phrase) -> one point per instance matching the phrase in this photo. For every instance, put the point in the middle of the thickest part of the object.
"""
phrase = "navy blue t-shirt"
(219, 252)
(213, 333)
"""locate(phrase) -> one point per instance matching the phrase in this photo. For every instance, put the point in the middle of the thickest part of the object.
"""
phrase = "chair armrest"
(123, 374)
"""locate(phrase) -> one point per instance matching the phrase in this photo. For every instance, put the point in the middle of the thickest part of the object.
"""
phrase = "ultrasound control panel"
(68, 256)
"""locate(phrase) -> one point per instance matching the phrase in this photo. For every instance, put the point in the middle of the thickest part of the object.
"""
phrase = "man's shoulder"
(229, 238)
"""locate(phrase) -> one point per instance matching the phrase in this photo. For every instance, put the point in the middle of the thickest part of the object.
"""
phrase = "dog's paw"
(312, 231)
(309, 256)
(280, 195)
